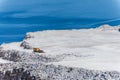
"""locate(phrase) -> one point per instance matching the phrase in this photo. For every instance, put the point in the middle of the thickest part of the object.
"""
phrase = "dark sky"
(61, 8)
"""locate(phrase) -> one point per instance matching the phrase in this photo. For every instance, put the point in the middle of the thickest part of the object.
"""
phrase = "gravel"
(41, 68)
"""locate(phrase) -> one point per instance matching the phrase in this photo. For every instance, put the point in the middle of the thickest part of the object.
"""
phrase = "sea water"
(19, 17)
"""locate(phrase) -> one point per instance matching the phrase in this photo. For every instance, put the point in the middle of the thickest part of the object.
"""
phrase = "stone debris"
(41, 71)
(28, 36)
(16, 74)
(25, 45)
(11, 55)
(108, 28)
(34, 66)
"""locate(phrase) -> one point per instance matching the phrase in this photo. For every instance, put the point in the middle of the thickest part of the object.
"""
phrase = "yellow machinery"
(38, 50)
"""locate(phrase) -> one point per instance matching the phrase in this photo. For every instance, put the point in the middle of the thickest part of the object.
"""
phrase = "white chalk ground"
(4, 61)
(96, 49)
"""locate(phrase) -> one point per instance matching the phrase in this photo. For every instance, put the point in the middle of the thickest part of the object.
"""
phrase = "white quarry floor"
(4, 61)
(96, 49)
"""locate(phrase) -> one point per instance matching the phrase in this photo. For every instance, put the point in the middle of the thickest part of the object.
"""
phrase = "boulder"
(28, 36)
(25, 45)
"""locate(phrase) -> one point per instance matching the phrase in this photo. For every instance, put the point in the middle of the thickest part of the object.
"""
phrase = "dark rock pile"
(28, 36)
(17, 74)
(25, 45)
(11, 55)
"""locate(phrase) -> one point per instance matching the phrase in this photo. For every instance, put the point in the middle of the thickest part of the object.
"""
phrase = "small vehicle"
(38, 50)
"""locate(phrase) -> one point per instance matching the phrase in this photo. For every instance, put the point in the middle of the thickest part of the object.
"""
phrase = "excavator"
(38, 50)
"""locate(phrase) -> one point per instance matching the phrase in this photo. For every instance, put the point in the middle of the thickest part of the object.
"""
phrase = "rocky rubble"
(25, 45)
(40, 67)
(11, 55)
(108, 28)
(22, 56)
(28, 36)
(16, 74)
(41, 71)
(44, 71)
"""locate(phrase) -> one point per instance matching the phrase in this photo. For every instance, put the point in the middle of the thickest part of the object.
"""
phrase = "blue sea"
(17, 17)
